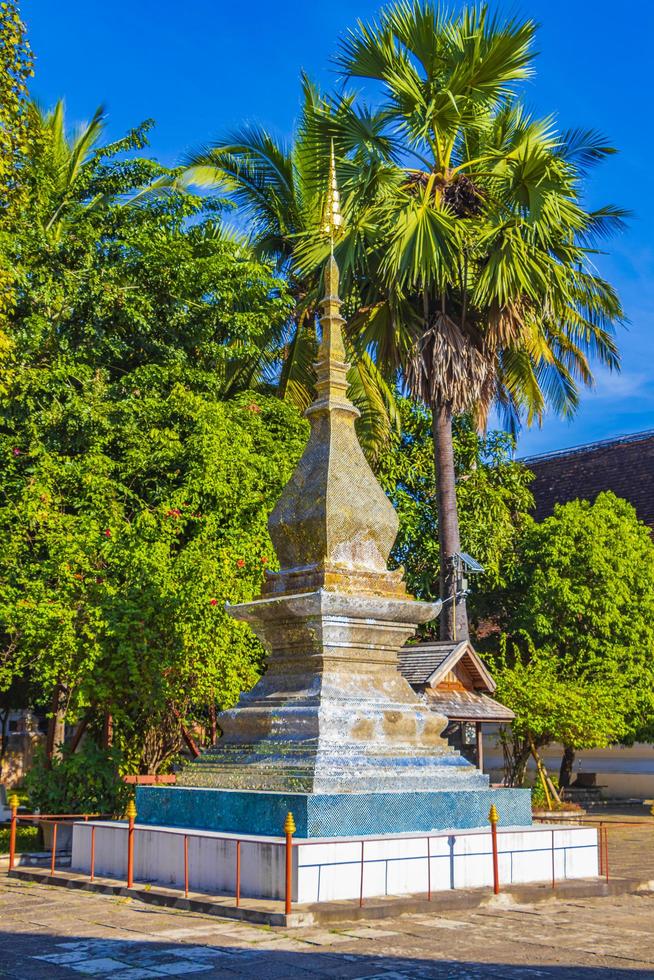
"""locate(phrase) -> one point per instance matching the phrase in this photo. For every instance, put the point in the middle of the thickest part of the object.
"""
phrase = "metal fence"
(288, 843)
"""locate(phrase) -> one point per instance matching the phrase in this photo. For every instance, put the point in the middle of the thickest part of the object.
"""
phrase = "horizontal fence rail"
(287, 842)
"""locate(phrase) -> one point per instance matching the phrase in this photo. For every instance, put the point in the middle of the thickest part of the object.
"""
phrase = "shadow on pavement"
(37, 956)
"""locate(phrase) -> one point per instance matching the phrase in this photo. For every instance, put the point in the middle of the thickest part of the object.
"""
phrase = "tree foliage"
(16, 68)
(492, 491)
(138, 467)
(577, 614)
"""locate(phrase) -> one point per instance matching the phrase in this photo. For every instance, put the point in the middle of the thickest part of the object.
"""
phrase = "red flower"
(240, 563)
(213, 602)
(16, 451)
(264, 560)
(107, 533)
(253, 407)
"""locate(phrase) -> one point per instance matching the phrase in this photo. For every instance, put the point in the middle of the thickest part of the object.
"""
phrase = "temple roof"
(624, 465)
(467, 706)
(426, 664)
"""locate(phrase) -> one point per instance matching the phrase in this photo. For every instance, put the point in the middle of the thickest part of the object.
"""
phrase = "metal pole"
(600, 856)
(361, 884)
(238, 873)
(185, 866)
(92, 853)
(553, 869)
(131, 817)
(606, 853)
(54, 848)
(13, 804)
(493, 819)
(289, 830)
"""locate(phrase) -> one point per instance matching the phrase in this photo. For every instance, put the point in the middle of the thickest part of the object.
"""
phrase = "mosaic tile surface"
(329, 815)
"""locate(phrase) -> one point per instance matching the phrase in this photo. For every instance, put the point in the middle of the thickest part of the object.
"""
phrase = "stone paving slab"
(52, 933)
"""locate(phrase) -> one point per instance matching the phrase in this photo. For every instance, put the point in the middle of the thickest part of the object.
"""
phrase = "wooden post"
(131, 817)
(289, 830)
(480, 746)
(493, 819)
(13, 805)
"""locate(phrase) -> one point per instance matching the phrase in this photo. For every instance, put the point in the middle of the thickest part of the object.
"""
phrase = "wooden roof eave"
(473, 662)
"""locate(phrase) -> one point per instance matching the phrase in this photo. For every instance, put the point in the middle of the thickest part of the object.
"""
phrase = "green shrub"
(87, 781)
(27, 839)
(538, 798)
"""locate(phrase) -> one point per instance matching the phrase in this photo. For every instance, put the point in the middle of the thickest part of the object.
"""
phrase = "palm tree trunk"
(454, 618)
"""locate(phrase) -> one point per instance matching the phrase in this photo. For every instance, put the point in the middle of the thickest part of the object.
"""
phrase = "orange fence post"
(606, 853)
(493, 819)
(54, 848)
(553, 864)
(361, 882)
(238, 873)
(289, 830)
(130, 813)
(185, 866)
(13, 805)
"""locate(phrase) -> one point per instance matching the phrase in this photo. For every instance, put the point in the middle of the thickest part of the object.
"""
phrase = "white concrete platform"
(328, 870)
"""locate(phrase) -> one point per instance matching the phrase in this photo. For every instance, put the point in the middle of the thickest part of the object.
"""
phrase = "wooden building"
(453, 680)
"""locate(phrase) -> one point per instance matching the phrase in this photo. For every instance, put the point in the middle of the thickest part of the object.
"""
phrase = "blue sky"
(202, 68)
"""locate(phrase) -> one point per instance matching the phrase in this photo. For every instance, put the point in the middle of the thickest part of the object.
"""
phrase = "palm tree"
(279, 190)
(484, 291)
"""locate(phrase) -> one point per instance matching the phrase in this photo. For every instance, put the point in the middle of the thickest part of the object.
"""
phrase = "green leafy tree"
(138, 467)
(493, 498)
(581, 593)
(16, 68)
(553, 704)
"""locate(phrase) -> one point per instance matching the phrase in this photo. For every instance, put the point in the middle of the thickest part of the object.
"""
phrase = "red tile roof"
(624, 465)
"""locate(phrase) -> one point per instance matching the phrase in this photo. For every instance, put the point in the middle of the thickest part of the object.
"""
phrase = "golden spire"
(332, 217)
(333, 526)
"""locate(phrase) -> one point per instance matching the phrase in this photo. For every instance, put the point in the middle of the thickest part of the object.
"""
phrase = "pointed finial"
(332, 215)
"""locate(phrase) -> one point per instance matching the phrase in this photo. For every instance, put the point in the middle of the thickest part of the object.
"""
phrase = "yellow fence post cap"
(492, 815)
(13, 802)
(289, 824)
(130, 812)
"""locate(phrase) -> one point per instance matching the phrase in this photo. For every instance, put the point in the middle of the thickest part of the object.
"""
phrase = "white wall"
(624, 772)
(327, 870)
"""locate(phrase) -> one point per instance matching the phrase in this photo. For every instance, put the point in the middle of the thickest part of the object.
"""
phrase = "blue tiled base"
(328, 815)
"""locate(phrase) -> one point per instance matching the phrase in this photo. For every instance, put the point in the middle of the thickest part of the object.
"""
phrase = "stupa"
(332, 731)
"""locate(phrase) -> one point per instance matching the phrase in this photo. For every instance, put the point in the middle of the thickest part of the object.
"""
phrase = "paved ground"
(48, 932)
